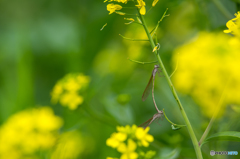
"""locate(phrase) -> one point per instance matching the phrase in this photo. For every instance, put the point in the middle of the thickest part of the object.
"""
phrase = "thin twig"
(174, 69)
(140, 62)
(155, 29)
(133, 39)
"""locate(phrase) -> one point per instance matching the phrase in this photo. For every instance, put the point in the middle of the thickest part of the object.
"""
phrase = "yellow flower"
(234, 25)
(66, 91)
(120, 1)
(116, 139)
(128, 150)
(70, 145)
(113, 7)
(205, 67)
(29, 131)
(71, 85)
(141, 5)
(83, 80)
(124, 140)
(127, 129)
(72, 100)
(143, 136)
(154, 2)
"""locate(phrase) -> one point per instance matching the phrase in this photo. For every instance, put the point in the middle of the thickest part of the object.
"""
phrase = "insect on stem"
(149, 85)
(155, 116)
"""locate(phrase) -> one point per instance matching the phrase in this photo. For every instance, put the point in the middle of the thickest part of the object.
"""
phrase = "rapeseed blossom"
(234, 25)
(143, 136)
(70, 145)
(128, 150)
(141, 5)
(67, 90)
(120, 1)
(127, 139)
(208, 66)
(28, 132)
(113, 7)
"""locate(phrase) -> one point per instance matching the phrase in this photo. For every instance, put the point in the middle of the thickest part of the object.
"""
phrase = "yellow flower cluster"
(234, 25)
(120, 1)
(66, 91)
(113, 7)
(128, 138)
(70, 145)
(141, 5)
(28, 132)
(205, 67)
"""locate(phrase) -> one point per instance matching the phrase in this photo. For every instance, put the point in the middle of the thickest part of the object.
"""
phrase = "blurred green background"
(43, 40)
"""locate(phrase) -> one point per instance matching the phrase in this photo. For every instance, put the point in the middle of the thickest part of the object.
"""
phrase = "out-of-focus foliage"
(43, 42)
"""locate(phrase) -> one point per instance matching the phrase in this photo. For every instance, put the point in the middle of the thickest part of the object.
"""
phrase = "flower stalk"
(187, 122)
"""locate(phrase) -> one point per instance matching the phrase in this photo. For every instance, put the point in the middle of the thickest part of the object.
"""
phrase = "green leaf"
(167, 153)
(175, 127)
(223, 136)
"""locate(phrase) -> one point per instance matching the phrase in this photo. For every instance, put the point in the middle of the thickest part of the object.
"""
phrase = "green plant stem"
(170, 120)
(187, 122)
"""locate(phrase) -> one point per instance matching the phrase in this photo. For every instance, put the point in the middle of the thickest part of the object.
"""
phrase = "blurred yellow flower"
(120, 1)
(111, 158)
(154, 2)
(70, 145)
(128, 151)
(66, 91)
(234, 25)
(115, 139)
(127, 129)
(205, 66)
(113, 7)
(126, 139)
(143, 136)
(72, 100)
(28, 132)
(141, 5)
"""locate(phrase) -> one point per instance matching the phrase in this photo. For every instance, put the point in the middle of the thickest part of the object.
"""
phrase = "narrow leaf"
(223, 136)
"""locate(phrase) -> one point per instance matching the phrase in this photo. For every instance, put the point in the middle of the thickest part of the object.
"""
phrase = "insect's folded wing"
(147, 89)
(146, 122)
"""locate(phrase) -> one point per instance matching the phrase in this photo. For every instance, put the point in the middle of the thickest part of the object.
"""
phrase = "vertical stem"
(189, 127)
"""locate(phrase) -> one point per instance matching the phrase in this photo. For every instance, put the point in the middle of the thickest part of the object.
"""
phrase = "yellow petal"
(131, 145)
(149, 138)
(154, 2)
(122, 148)
(121, 136)
(143, 10)
(133, 155)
